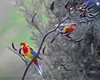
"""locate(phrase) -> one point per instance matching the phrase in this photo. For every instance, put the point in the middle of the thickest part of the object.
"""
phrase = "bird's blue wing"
(61, 28)
(32, 52)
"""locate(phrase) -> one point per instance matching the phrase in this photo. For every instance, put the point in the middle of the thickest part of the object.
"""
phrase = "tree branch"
(38, 52)
(18, 52)
(35, 25)
(80, 9)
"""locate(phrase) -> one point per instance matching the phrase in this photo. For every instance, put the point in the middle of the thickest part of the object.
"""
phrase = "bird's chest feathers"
(71, 29)
(27, 52)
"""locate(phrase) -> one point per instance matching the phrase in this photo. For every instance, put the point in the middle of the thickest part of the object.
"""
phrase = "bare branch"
(89, 19)
(41, 44)
(52, 9)
(18, 52)
(13, 46)
(66, 5)
(55, 59)
(82, 9)
(33, 17)
(43, 51)
(93, 14)
(72, 39)
(34, 24)
(85, 12)
(52, 6)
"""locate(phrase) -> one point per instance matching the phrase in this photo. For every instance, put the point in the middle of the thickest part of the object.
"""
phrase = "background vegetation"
(83, 57)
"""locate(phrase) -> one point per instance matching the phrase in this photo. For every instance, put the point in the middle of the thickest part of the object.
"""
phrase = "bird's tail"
(55, 37)
(37, 66)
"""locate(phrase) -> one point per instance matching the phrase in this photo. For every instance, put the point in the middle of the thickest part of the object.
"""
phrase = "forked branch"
(84, 12)
(33, 23)
(18, 52)
(45, 35)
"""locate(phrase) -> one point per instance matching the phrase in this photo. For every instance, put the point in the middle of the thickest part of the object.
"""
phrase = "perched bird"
(64, 29)
(30, 53)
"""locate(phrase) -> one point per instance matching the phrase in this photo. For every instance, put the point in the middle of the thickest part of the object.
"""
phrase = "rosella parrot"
(30, 53)
(65, 29)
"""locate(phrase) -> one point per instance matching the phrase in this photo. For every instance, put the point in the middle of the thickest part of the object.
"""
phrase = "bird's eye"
(74, 25)
(21, 45)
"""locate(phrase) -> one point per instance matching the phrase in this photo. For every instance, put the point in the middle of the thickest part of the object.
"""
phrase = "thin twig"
(62, 64)
(72, 39)
(34, 24)
(20, 55)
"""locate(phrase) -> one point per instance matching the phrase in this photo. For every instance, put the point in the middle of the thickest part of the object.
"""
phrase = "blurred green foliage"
(44, 16)
(2, 72)
(16, 29)
(28, 4)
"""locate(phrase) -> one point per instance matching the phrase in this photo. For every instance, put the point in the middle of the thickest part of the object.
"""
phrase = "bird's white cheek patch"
(74, 26)
(21, 46)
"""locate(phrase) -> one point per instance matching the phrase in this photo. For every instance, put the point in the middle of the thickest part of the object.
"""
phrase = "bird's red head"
(73, 25)
(23, 44)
